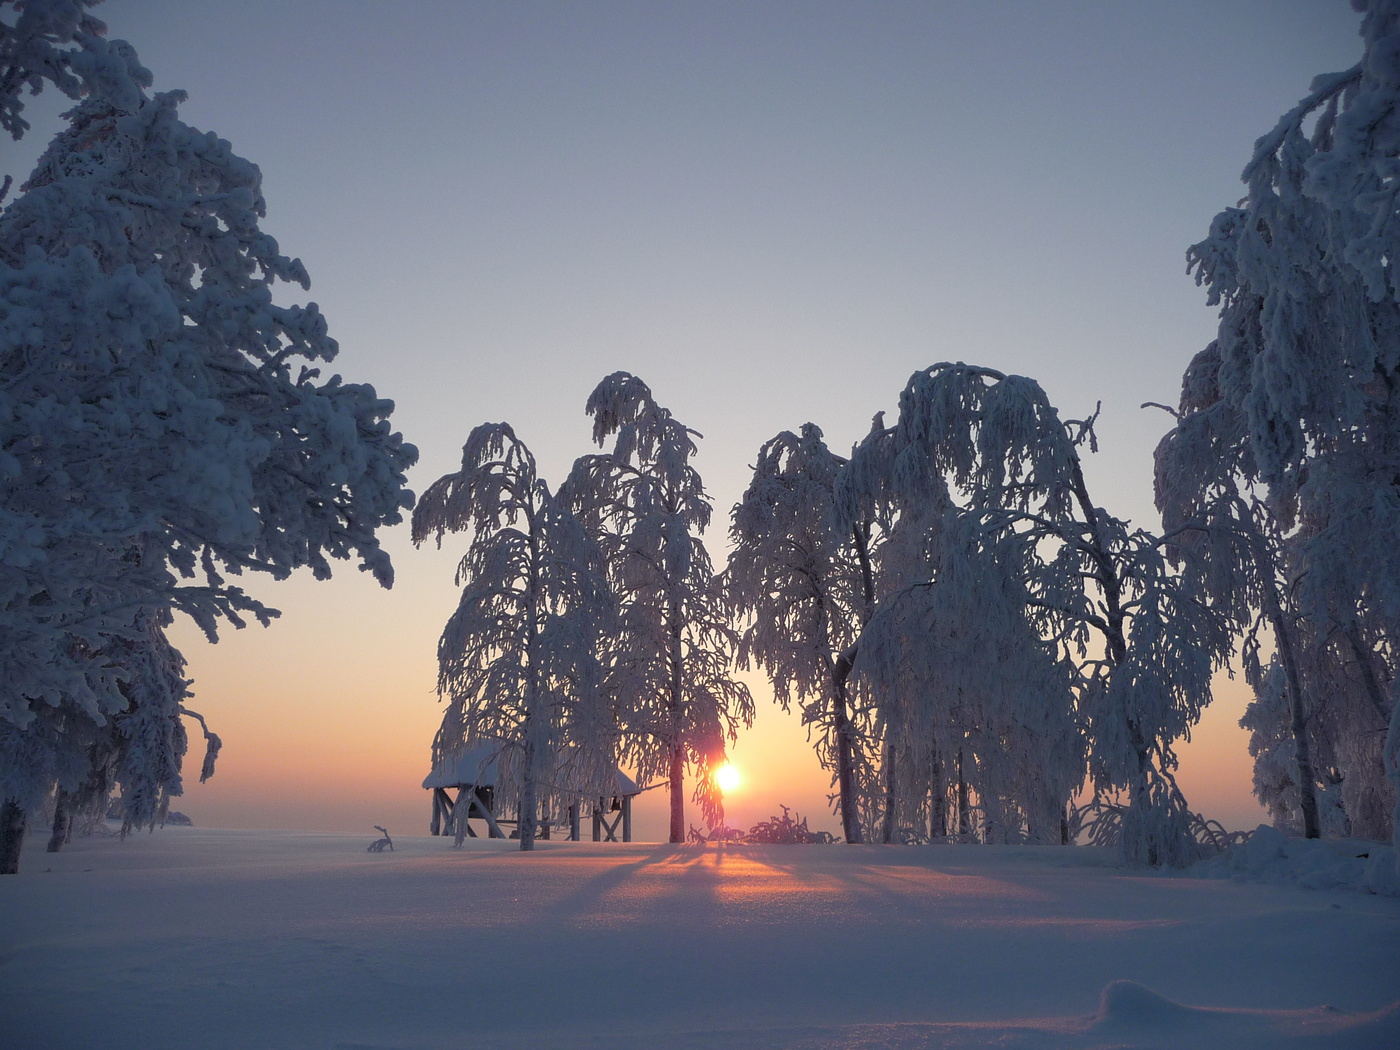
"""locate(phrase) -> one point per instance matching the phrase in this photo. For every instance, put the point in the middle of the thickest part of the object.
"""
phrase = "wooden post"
(610, 825)
(493, 829)
(573, 819)
(626, 818)
(598, 821)
(445, 808)
(435, 825)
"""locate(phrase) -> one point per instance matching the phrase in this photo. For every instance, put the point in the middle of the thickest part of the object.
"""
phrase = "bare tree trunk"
(938, 814)
(677, 772)
(964, 817)
(1139, 798)
(1297, 722)
(676, 743)
(1298, 719)
(891, 801)
(12, 821)
(1365, 662)
(845, 748)
(62, 821)
(845, 773)
(529, 800)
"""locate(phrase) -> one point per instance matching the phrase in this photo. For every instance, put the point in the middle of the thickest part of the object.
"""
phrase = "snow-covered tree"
(1309, 348)
(518, 660)
(139, 751)
(1093, 590)
(672, 655)
(803, 587)
(1279, 779)
(976, 709)
(159, 427)
(46, 41)
(1231, 550)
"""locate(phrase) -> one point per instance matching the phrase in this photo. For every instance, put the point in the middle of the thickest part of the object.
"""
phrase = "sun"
(727, 778)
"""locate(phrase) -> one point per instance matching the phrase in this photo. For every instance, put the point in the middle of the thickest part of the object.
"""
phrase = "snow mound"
(1130, 1017)
(1316, 864)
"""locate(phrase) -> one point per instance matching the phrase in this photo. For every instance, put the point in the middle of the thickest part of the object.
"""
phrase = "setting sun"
(727, 778)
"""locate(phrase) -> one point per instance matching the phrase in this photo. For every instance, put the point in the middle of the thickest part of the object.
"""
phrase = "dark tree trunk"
(677, 775)
(1297, 714)
(676, 658)
(845, 774)
(1298, 725)
(1139, 798)
(1365, 662)
(11, 837)
(62, 821)
(964, 817)
(938, 811)
(529, 799)
(891, 801)
(845, 750)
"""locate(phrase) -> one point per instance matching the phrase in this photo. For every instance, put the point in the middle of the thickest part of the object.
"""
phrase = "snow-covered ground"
(200, 939)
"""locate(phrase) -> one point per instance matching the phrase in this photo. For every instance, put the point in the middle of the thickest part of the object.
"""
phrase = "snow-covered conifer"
(159, 425)
(671, 659)
(518, 660)
(41, 41)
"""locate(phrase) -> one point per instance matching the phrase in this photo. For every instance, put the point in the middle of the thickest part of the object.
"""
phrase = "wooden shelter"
(472, 776)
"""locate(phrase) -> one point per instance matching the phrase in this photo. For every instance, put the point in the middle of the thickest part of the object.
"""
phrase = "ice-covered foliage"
(160, 425)
(49, 41)
(518, 660)
(787, 829)
(1230, 548)
(802, 588)
(1309, 346)
(671, 658)
(72, 759)
(1277, 777)
(152, 383)
(1054, 593)
(970, 698)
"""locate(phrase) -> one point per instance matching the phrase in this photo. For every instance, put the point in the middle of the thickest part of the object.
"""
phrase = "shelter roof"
(477, 766)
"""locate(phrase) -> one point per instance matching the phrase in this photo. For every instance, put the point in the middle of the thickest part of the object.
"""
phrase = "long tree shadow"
(587, 897)
(885, 877)
(670, 879)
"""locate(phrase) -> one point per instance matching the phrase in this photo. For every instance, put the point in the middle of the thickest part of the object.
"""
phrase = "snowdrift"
(1316, 864)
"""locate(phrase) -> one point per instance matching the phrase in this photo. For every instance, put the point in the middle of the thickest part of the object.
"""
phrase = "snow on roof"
(626, 785)
(478, 766)
(475, 766)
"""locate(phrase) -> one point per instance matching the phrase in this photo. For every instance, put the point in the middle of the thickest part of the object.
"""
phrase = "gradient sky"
(771, 212)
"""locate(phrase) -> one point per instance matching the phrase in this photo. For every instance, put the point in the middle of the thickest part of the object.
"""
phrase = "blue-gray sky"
(772, 212)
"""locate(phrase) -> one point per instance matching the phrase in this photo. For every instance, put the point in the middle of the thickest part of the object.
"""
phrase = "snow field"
(211, 939)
